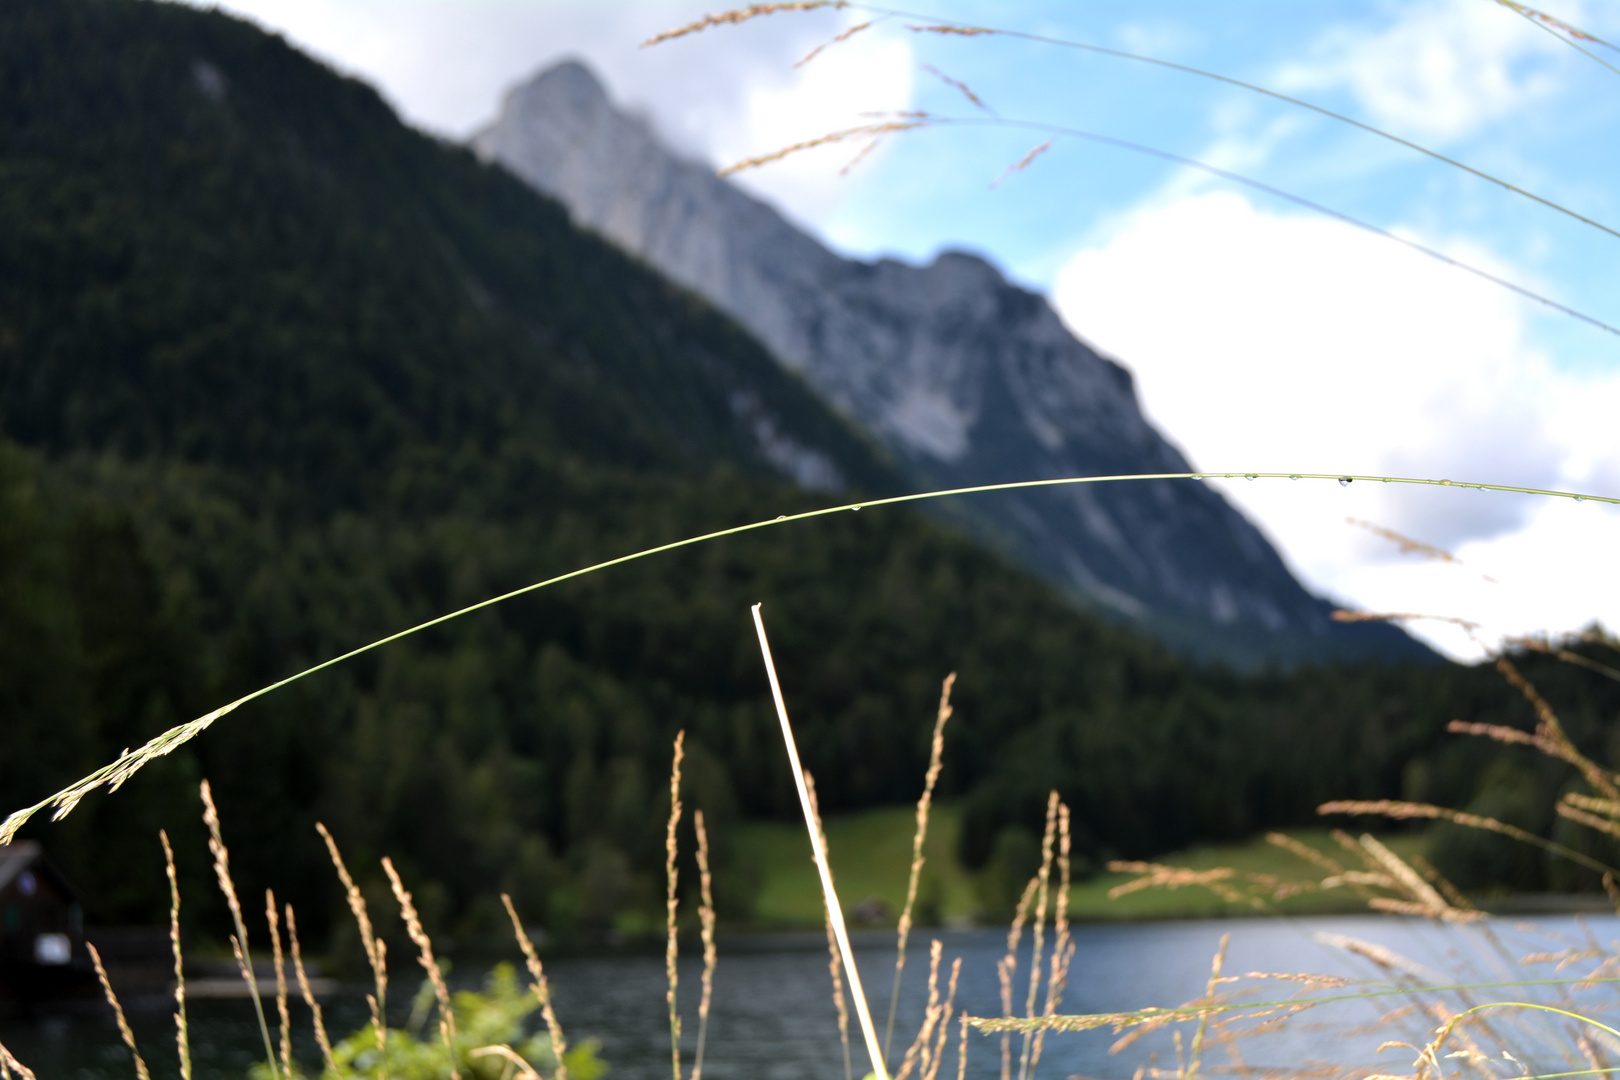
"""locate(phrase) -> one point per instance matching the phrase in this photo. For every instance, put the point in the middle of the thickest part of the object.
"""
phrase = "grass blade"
(834, 910)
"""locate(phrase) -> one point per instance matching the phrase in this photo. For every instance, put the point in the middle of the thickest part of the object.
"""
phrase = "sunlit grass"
(870, 851)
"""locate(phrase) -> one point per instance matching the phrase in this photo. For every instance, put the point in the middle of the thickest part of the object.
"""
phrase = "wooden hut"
(41, 926)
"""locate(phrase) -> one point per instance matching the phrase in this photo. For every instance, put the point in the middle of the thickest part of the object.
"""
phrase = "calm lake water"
(773, 1017)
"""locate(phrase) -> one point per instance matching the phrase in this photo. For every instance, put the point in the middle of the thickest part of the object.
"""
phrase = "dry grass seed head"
(118, 1012)
(840, 39)
(952, 31)
(1549, 729)
(1400, 810)
(182, 1035)
(959, 85)
(375, 954)
(239, 940)
(873, 131)
(272, 920)
(1303, 851)
(922, 1043)
(541, 988)
(1037, 931)
(1062, 948)
(112, 776)
(936, 750)
(1195, 1055)
(671, 902)
(425, 957)
(937, 1056)
(309, 997)
(739, 15)
(710, 956)
(376, 949)
(1021, 164)
(9, 1064)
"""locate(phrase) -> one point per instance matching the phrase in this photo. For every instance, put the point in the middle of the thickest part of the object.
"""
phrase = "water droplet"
(1386, 479)
(1580, 498)
(1197, 476)
(1249, 476)
(854, 508)
(1295, 476)
(1445, 483)
(1344, 481)
(781, 517)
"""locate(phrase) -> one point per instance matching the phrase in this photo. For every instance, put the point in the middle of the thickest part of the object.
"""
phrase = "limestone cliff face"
(966, 378)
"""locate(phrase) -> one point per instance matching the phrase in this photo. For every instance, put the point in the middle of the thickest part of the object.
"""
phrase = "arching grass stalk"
(933, 24)
(114, 775)
(914, 121)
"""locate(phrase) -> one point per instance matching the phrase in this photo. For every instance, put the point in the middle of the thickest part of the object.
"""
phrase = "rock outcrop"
(966, 378)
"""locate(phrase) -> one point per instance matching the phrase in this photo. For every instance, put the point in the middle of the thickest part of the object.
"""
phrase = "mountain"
(280, 376)
(965, 378)
(200, 266)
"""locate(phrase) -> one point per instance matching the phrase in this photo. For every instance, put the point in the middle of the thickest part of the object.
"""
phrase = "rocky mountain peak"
(965, 377)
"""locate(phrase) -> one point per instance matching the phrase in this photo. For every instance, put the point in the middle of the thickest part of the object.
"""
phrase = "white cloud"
(1264, 342)
(1439, 69)
(722, 95)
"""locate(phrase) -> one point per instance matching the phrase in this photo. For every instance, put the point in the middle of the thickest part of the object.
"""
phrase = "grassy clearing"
(870, 852)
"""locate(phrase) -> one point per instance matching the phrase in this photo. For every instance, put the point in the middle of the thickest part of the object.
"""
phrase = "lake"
(773, 1017)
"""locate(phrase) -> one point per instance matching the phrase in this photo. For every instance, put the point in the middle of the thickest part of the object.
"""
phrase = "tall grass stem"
(118, 1012)
(182, 1035)
(710, 956)
(239, 940)
(672, 902)
(272, 920)
(309, 996)
(835, 911)
(542, 989)
(430, 963)
(375, 948)
(936, 748)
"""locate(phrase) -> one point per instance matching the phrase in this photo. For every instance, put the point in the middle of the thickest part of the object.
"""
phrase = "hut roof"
(28, 855)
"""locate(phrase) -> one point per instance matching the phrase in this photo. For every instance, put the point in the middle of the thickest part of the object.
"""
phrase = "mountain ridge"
(964, 377)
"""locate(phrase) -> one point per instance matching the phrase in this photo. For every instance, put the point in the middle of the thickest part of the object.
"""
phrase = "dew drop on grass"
(1294, 477)
(854, 508)
(1344, 481)
(1580, 498)
(781, 517)
(1249, 476)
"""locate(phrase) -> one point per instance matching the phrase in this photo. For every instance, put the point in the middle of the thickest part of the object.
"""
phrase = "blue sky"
(1262, 336)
